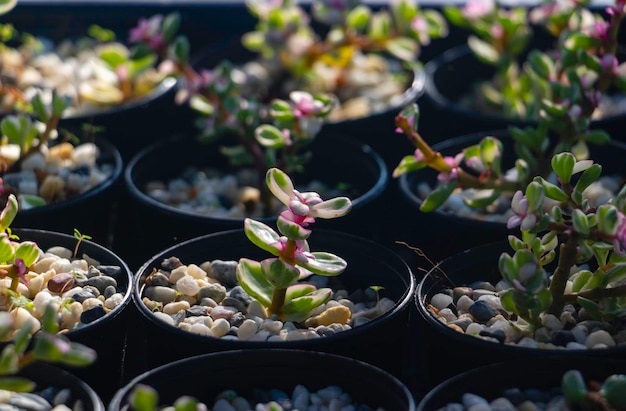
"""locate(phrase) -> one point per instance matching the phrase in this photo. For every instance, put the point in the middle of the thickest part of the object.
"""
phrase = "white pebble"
(463, 304)
(247, 329)
(551, 322)
(528, 342)
(164, 317)
(474, 329)
(187, 285)
(220, 327)
(599, 337)
(114, 301)
(201, 329)
(196, 272)
(441, 301)
(175, 307)
(447, 314)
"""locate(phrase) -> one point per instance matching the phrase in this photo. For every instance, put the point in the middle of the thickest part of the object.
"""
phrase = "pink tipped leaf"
(280, 185)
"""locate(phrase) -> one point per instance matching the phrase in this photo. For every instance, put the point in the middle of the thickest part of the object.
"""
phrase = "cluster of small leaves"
(529, 84)
(555, 220)
(284, 32)
(607, 395)
(276, 282)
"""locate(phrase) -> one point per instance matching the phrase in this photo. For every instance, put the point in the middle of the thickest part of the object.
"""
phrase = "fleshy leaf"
(324, 263)
(552, 191)
(483, 50)
(588, 176)
(261, 235)
(17, 384)
(573, 387)
(563, 166)
(438, 196)
(403, 48)
(484, 200)
(278, 273)
(298, 290)
(292, 230)
(407, 165)
(252, 280)
(307, 302)
(269, 136)
(8, 213)
(144, 398)
(580, 222)
(28, 251)
(333, 208)
(6, 248)
(280, 185)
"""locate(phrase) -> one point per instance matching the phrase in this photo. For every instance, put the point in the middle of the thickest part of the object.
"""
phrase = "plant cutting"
(241, 298)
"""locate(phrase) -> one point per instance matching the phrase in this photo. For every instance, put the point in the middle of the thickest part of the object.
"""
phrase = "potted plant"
(583, 383)
(486, 168)
(293, 300)
(555, 289)
(366, 59)
(105, 78)
(507, 53)
(299, 379)
(54, 175)
(85, 285)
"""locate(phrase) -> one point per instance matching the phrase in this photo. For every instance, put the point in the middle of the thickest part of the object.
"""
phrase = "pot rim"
(138, 194)
(400, 305)
(332, 360)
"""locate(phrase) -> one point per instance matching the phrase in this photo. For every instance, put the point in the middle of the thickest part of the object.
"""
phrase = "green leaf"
(588, 176)
(141, 65)
(580, 280)
(261, 235)
(7, 5)
(180, 49)
(580, 222)
(541, 64)
(292, 230)
(438, 196)
(590, 306)
(483, 201)
(403, 48)
(614, 391)
(333, 208)
(28, 251)
(308, 302)
(407, 165)
(614, 275)
(359, 17)
(10, 127)
(39, 108)
(139, 51)
(171, 24)
(9, 360)
(580, 41)
(8, 213)
(279, 183)
(563, 166)
(552, 191)
(252, 279)
(535, 195)
(607, 219)
(573, 387)
(31, 201)
(279, 274)
(324, 263)
(268, 135)
(113, 54)
(298, 290)
(59, 104)
(597, 137)
(17, 384)
(143, 398)
(483, 50)
(253, 41)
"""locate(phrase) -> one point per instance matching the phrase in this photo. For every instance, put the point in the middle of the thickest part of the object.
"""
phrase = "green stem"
(567, 258)
(596, 294)
(278, 300)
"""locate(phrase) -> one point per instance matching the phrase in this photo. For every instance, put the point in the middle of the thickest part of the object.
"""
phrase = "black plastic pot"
(106, 335)
(46, 375)
(92, 212)
(452, 75)
(442, 233)
(445, 352)
(153, 225)
(132, 125)
(380, 342)
(542, 374)
(204, 376)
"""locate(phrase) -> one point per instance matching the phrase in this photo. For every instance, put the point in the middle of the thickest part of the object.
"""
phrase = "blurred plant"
(577, 77)
(284, 34)
(607, 395)
(573, 73)
(275, 282)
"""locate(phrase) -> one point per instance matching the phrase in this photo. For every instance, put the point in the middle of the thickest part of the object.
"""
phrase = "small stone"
(458, 292)
(187, 285)
(240, 294)
(334, 315)
(551, 322)
(463, 304)
(163, 295)
(470, 400)
(247, 330)
(502, 404)
(482, 311)
(92, 314)
(447, 314)
(527, 406)
(599, 337)
(255, 309)
(224, 272)
(441, 301)
(222, 312)
(562, 338)
(216, 292)
(102, 282)
(528, 342)
(474, 329)
(175, 307)
(220, 327)
(61, 283)
(157, 279)
(235, 303)
(497, 334)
